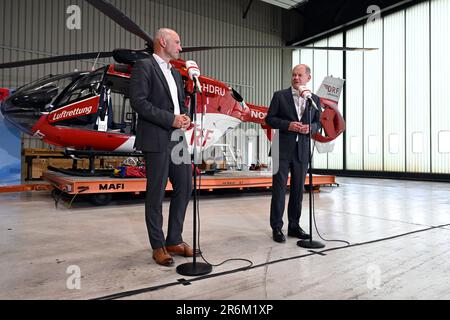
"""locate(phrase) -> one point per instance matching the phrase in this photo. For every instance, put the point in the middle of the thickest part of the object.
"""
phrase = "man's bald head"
(167, 44)
(163, 33)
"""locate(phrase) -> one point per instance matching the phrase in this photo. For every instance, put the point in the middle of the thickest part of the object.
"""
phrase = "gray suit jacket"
(281, 113)
(150, 98)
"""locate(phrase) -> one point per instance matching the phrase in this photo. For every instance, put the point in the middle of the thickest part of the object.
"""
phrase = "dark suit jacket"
(281, 113)
(150, 98)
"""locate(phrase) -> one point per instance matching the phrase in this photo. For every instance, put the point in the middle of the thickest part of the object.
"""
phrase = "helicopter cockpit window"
(88, 85)
(41, 93)
(60, 81)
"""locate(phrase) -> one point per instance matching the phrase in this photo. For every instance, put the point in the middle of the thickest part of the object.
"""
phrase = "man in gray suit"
(157, 95)
(289, 113)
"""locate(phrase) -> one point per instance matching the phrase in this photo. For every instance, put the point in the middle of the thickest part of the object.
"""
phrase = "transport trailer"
(101, 189)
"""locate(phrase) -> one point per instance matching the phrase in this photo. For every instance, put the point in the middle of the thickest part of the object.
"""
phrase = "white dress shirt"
(299, 103)
(165, 68)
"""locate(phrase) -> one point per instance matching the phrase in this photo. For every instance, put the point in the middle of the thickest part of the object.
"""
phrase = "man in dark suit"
(157, 95)
(289, 113)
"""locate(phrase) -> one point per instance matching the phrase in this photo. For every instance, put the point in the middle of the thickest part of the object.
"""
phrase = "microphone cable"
(313, 201)
(200, 252)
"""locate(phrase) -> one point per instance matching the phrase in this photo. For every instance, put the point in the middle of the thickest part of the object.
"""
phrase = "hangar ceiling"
(305, 19)
(286, 4)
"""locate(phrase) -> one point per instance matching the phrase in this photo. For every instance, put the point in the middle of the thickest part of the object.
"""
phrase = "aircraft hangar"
(375, 208)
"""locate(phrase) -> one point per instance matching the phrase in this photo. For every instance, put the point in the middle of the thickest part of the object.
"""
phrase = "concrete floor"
(42, 247)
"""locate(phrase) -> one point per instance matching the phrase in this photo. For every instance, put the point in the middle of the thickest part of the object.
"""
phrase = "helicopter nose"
(22, 118)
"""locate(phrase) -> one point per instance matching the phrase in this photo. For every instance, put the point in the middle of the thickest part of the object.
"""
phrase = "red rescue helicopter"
(74, 110)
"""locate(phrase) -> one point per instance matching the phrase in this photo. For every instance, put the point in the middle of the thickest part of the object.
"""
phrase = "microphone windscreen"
(192, 69)
(305, 93)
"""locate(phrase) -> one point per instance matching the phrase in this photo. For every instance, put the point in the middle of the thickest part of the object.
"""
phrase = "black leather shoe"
(298, 233)
(278, 236)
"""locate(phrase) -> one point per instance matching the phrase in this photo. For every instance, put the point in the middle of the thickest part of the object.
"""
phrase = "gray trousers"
(159, 167)
(298, 171)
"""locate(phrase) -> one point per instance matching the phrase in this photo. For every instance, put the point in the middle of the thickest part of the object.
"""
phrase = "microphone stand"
(310, 243)
(194, 268)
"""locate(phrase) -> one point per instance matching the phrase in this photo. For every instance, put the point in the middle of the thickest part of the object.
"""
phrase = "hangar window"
(86, 86)
(417, 142)
(394, 143)
(373, 144)
(354, 145)
(444, 142)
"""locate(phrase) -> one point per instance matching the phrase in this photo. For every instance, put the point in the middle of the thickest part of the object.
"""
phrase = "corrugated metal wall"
(336, 69)
(324, 63)
(35, 29)
(319, 72)
(394, 103)
(373, 93)
(354, 81)
(418, 89)
(440, 84)
(397, 118)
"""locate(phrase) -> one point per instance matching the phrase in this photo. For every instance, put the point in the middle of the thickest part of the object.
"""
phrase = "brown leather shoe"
(182, 249)
(161, 257)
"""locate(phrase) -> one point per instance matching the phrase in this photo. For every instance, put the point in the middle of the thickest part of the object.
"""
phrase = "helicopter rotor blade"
(121, 19)
(69, 57)
(93, 55)
(203, 48)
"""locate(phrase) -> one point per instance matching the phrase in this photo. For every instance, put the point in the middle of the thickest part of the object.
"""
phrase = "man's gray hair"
(307, 68)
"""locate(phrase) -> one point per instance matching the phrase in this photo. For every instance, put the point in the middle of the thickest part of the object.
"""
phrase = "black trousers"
(160, 167)
(298, 172)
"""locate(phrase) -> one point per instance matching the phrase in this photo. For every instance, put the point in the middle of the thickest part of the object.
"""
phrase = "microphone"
(306, 94)
(194, 73)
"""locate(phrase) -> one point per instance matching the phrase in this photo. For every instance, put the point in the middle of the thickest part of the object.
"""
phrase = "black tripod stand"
(310, 243)
(194, 268)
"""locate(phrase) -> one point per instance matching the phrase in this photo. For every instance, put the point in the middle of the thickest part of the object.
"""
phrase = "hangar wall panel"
(417, 89)
(394, 92)
(324, 63)
(336, 69)
(373, 93)
(355, 101)
(319, 71)
(440, 84)
(396, 105)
